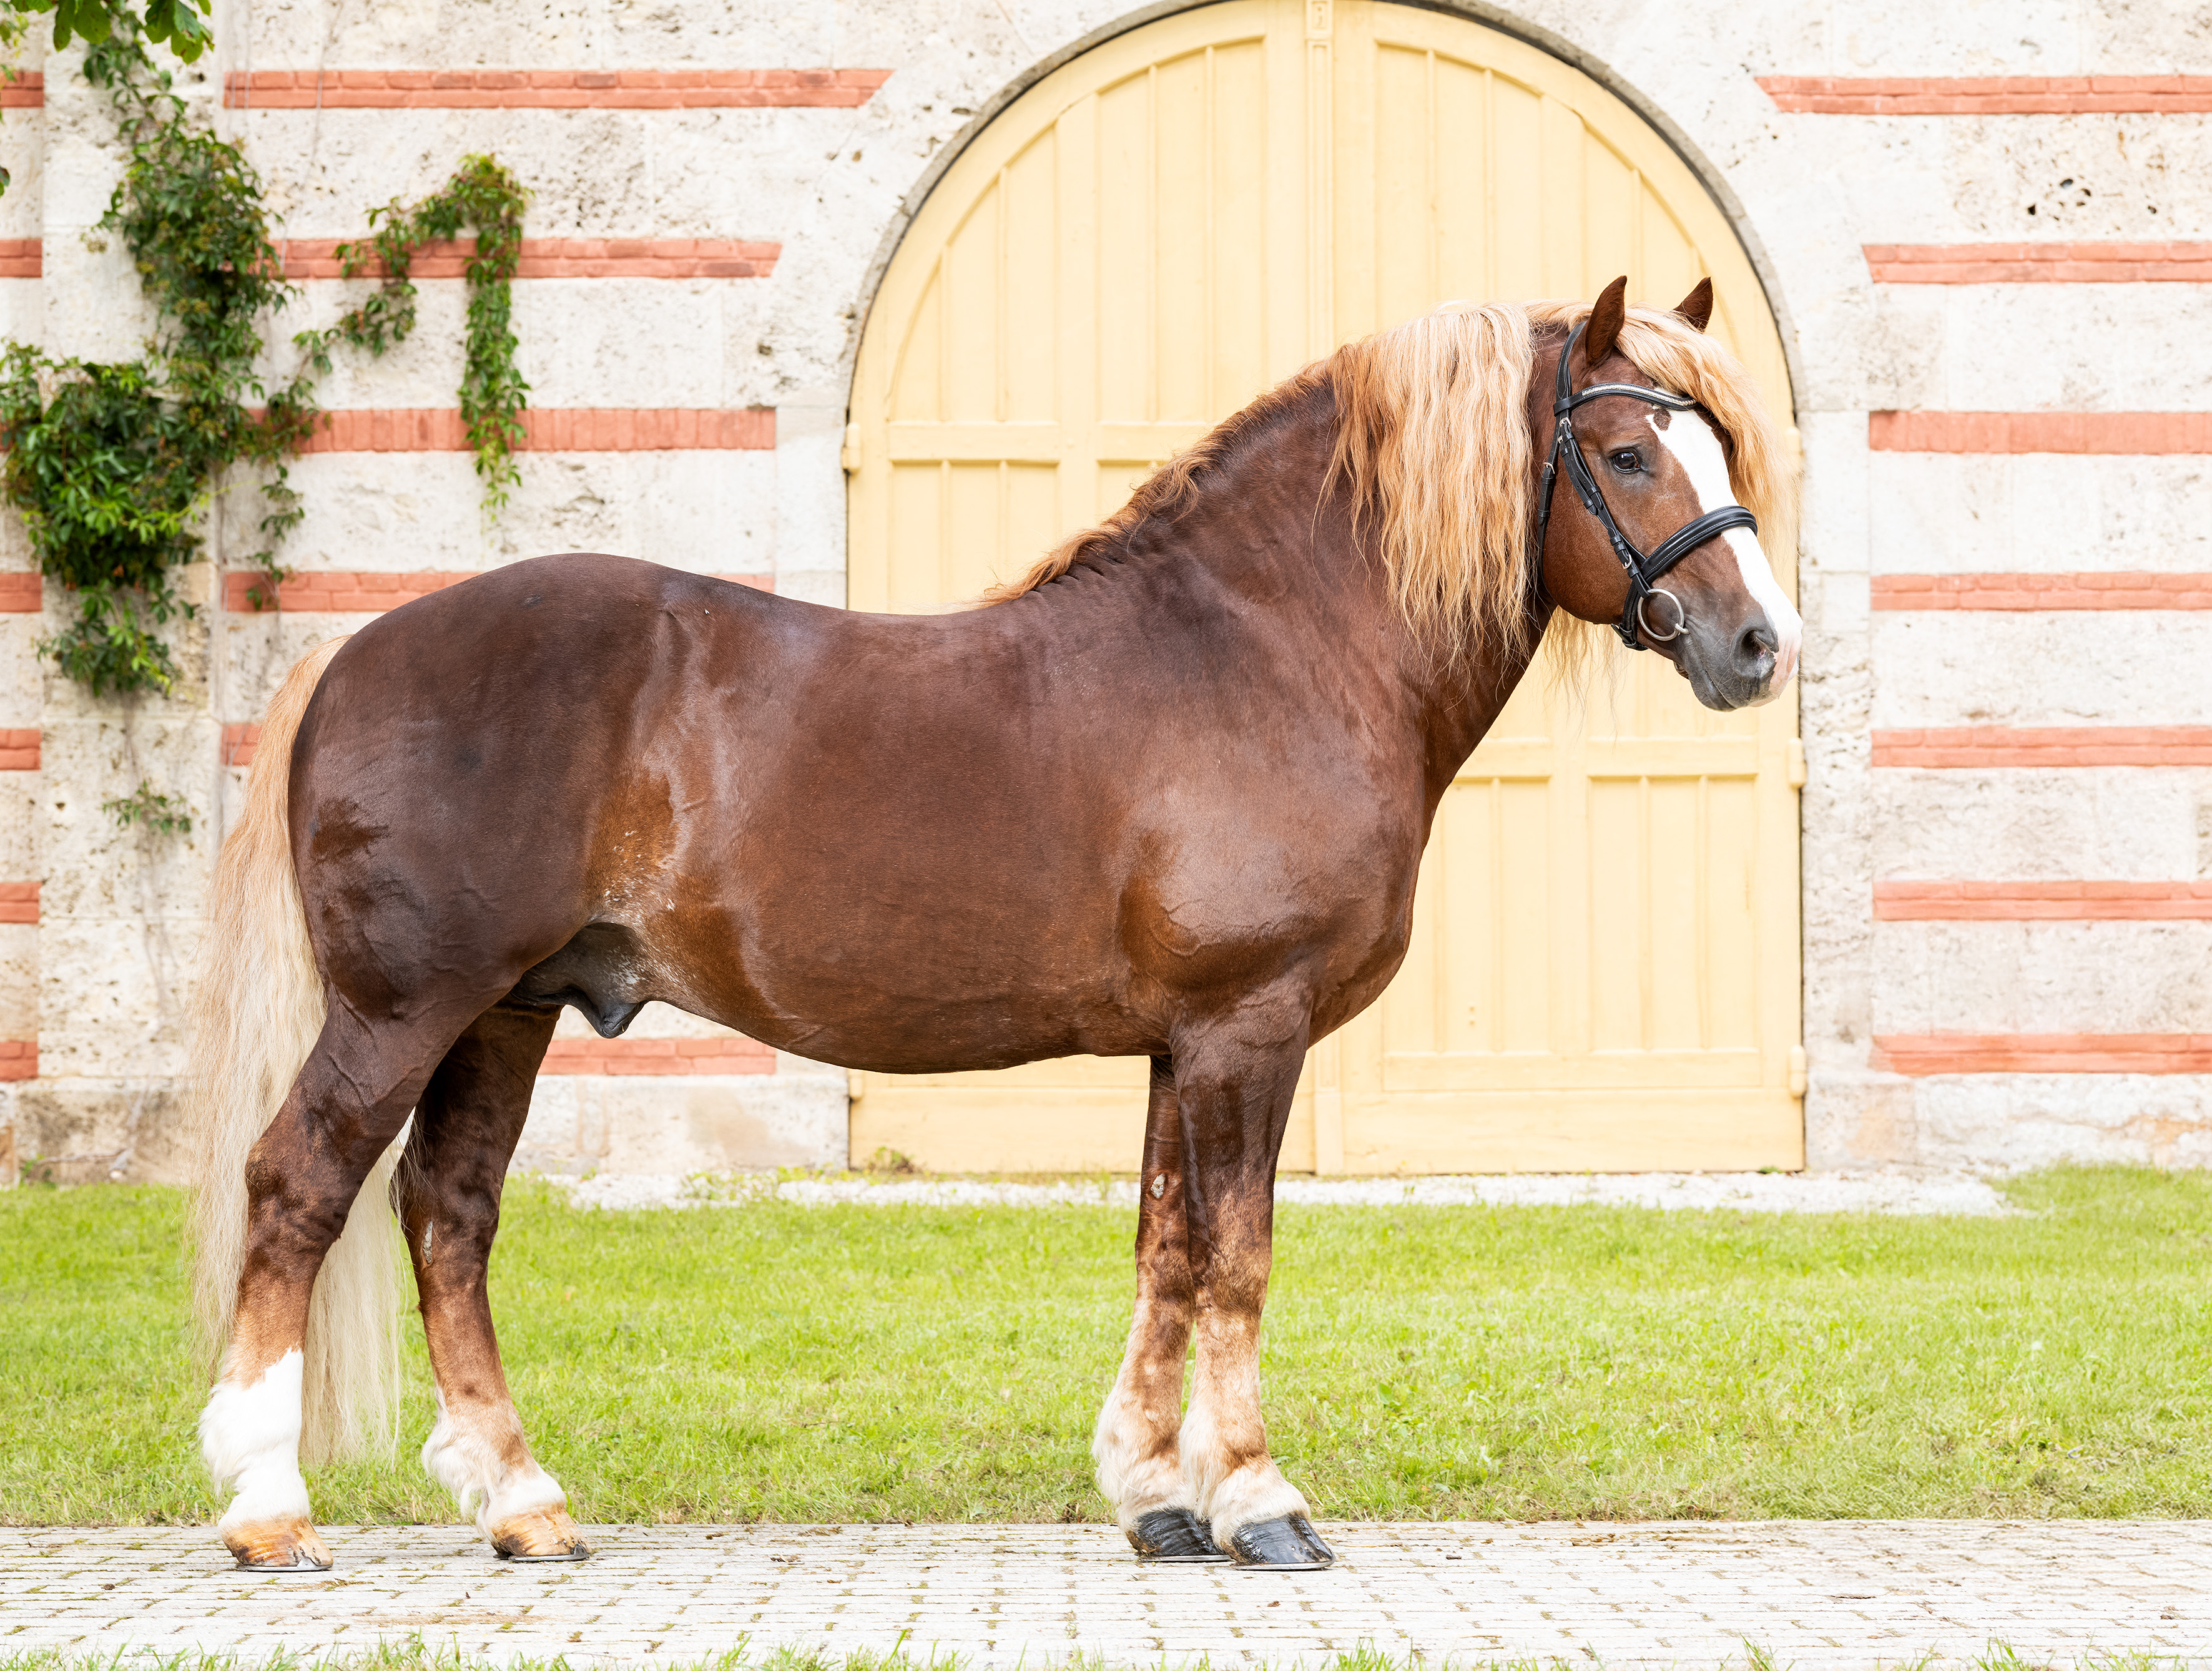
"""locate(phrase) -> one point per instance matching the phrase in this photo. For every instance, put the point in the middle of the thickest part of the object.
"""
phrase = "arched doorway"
(1604, 969)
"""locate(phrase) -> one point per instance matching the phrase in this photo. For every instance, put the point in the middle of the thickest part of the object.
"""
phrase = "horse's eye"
(1626, 462)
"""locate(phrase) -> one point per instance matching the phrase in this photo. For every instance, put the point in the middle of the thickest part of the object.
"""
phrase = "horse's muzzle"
(1730, 668)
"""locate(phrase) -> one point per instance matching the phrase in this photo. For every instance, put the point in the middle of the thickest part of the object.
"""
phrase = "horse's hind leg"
(466, 1126)
(303, 1176)
(1138, 1468)
(1234, 1087)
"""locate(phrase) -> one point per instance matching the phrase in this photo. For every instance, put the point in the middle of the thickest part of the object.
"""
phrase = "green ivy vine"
(112, 465)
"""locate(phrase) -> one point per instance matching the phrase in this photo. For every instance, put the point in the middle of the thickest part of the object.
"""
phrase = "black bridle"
(1644, 569)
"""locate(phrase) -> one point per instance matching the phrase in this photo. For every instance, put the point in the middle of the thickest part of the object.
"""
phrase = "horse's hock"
(848, 291)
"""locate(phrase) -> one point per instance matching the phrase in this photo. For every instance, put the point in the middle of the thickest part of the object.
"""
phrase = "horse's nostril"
(1757, 643)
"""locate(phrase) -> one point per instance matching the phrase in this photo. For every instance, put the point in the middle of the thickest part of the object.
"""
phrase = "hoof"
(1176, 1537)
(543, 1534)
(288, 1545)
(1286, 1544)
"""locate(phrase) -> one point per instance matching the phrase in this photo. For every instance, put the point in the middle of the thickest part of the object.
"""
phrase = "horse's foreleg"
(302, 1178)
(466, 1129)
(1138, 1468)
(1234, 1098)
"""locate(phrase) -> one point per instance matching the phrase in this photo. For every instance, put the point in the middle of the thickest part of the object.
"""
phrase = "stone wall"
(1981, 208)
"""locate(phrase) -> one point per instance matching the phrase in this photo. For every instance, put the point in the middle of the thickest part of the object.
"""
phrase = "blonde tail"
(255, 1018)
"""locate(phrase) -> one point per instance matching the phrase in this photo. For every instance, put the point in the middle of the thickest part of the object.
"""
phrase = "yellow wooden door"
(1605, 966)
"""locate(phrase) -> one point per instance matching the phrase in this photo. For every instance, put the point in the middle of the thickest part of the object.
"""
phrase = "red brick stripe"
(26, 91)
(22, 258)
(2039, 432)
(19, 1058)
(239, 742)
(2042, 592)
(367, 591)
(558, 257)
(19, 751)
(581, 429)
(19, 902)
(1922, 1054)
(1986, 95)
(645, 1056)
(1971, 746)
(2039, 264)
(2042, 902)
(548, 89)
(20, 595)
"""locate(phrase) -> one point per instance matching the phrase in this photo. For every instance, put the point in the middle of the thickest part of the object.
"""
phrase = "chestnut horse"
(1165, 797)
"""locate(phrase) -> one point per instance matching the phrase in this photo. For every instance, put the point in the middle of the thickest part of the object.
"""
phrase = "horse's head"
(1655, 468)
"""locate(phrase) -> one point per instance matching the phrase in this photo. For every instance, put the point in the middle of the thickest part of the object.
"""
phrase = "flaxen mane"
(1433, 447)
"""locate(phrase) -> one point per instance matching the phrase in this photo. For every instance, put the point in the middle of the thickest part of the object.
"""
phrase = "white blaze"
(1698, 450)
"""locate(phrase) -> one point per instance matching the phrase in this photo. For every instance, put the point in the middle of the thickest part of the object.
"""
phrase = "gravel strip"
(1703, 1192)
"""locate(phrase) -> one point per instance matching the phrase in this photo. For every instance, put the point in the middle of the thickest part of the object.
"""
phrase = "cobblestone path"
(1815, 1594)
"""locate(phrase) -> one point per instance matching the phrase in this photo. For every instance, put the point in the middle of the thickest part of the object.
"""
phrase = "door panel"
(1604, 968)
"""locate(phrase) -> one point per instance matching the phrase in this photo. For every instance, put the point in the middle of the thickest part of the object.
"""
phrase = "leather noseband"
(1644, 568)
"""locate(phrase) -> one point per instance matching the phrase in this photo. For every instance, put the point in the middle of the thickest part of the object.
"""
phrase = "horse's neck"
(1263, 528)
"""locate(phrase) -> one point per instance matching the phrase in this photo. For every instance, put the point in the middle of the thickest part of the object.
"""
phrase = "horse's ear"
(1697, 307)
(1605, 319)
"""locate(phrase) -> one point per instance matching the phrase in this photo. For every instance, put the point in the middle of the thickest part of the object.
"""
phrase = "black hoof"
(1176, 1536)
(1286, 1544)
(582, 1552)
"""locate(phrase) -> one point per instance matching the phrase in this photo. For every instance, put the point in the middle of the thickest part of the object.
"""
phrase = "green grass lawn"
(782, 1362)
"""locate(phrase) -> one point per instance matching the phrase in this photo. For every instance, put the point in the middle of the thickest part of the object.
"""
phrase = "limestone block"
(91, 1131)
(588, 34)
(2042, 977)
(1979, 38)
(699, 1124)
(2113, 823)
(2039, 514)
(2016, 1122)
(23, 206)
(2104, 348)
(810, 491)
(2120, 177)
(19, 980)
(710, 513)
(1833, 528)
(593, 172)
(23, 682)
(2148, 37)
(22, 306)
(1857, 1118)
(112, 994)
(95, 869)
(19, 815)
(597, 341)
(2077, 668)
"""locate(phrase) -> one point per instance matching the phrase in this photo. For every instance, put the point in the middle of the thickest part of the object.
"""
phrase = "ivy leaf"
(180, 25)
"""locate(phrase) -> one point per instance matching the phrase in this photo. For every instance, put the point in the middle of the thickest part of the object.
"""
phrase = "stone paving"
(1814, 1594)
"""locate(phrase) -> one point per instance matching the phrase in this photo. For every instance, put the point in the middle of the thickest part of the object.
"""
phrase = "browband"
(1644, 568)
